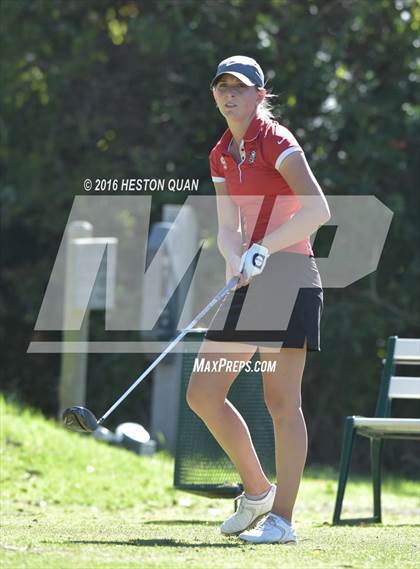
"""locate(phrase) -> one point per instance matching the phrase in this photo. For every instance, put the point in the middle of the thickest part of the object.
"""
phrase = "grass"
(71, 501)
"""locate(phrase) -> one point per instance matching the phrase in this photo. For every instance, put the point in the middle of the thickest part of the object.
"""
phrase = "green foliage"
(117, 88)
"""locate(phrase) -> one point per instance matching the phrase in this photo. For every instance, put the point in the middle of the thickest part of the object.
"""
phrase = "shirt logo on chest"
(252, 156)
(223, 161)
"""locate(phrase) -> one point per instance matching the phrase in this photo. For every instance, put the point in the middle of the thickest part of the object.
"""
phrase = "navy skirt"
(279, 308)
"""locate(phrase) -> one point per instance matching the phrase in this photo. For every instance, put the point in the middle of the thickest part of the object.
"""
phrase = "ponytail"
(266, 107)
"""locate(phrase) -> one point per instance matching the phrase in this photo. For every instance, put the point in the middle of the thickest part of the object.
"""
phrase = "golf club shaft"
(219, 296)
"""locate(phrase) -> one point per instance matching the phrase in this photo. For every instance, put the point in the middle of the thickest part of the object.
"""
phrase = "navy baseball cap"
(244, 68)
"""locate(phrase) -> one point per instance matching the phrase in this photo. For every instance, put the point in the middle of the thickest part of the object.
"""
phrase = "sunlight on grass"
(69, 500)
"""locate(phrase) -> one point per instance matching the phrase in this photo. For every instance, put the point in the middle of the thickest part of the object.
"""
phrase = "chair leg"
(376, 447)
(346, 452)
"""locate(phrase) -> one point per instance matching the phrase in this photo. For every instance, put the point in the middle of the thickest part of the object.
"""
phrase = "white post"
(167, 376)
(72, 388)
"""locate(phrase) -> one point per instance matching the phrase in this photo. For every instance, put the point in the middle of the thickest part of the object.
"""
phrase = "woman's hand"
(253, 261)
(251, 264)
(233, 270)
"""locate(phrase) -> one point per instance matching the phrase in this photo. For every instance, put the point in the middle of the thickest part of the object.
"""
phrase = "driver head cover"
(80, 419)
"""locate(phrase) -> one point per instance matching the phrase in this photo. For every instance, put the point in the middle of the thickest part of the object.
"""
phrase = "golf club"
(82, 420)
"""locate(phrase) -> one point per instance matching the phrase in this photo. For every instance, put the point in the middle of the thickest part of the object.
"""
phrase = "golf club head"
(80, 419)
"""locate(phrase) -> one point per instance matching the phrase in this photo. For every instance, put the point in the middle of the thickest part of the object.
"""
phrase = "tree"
(117, 88)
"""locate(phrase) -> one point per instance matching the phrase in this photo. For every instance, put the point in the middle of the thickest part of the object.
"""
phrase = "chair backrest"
(407, 351)
(400, 351)
(404, 387)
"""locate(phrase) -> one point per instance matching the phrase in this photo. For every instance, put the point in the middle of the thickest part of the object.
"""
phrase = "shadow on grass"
(154, 542)
(385, 525)
(181, 523)
(367, 524)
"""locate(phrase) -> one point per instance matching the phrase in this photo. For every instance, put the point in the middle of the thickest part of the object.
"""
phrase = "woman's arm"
(314, 211)
(229, 236)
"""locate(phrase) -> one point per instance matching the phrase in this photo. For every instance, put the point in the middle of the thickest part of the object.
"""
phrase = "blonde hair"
(266, 107)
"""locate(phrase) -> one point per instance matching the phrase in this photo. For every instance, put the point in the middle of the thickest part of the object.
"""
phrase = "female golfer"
(268, 203)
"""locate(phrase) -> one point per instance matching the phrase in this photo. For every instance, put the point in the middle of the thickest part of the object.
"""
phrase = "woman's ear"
(261, 95)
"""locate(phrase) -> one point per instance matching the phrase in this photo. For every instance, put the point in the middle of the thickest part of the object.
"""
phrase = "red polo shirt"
(264, 198)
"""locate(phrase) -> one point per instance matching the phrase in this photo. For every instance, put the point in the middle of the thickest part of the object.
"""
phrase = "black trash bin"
(201, 465)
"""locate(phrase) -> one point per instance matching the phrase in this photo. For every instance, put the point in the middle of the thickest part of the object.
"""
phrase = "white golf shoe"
(248, 512)
(271, 529)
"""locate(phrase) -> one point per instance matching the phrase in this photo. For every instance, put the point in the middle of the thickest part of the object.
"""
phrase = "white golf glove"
(253, 261)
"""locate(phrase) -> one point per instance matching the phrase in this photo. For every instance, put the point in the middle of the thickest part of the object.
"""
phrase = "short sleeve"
(278, 143)
(216, 168)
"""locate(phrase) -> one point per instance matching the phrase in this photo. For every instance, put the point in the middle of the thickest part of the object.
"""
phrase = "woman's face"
(235, 100)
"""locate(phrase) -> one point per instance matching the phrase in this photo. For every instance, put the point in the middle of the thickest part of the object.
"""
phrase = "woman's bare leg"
(206, 395)
(282, 390)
